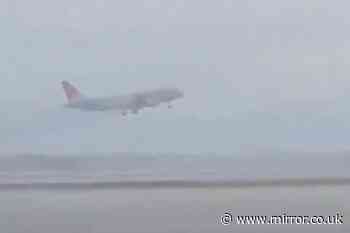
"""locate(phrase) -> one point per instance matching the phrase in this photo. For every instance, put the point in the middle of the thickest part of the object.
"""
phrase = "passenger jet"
(131, 103)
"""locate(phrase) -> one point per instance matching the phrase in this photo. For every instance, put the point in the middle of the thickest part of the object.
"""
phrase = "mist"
(255, 74)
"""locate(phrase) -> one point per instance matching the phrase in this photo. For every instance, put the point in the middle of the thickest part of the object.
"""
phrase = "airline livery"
(125, 103)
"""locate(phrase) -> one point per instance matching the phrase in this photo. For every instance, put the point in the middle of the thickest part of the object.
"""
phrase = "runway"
(173, 210)
(172, 194)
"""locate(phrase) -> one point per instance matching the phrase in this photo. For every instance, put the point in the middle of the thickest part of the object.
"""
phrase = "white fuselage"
(133, 102)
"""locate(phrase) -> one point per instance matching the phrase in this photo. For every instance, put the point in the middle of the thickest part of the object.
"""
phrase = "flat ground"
(176, 210)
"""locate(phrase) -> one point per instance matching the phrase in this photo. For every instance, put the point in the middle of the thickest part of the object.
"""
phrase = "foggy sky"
(255, 73)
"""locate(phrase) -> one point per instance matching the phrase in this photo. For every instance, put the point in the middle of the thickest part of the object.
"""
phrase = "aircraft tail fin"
(72, 93)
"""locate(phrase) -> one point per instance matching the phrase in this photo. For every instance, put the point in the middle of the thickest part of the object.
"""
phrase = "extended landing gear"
(124, 113)
(170, 106)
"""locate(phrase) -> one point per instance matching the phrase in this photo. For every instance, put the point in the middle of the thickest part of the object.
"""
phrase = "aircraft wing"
(144, 100)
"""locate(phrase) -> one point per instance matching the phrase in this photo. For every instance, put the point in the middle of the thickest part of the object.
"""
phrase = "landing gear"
(170, 106)
(135, 111)
(124, 113)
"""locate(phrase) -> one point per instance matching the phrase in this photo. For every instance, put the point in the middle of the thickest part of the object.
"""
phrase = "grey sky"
(264, 73)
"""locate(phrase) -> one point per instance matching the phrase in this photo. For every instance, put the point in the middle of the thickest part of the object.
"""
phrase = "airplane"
(125, 103)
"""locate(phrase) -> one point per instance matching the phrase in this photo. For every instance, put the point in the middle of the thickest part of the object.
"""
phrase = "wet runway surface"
(176, 194)
(168, 209)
